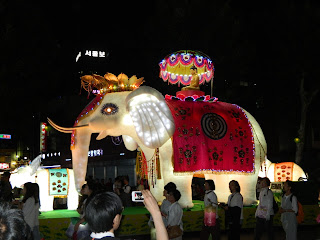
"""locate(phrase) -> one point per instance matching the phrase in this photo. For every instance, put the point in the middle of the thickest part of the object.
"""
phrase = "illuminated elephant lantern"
(160, 127)
(280, 172)
(52, 183)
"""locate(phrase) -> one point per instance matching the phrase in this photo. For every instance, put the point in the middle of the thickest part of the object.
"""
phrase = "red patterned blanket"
(213, 136)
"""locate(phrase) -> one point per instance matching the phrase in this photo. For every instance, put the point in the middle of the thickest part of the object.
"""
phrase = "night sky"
(269, 46)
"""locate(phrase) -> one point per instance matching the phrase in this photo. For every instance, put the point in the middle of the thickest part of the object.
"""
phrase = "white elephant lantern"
(220, 140)
(281, 172)
(52, 183)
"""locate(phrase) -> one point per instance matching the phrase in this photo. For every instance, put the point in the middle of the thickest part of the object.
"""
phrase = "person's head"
(126, 180)
(36, 192)
(174, 195)
(12, 224)
(265, 182)
(89, 188)
(288, 186)
(209, 185)
(6, 176)
(193, 70)
(169, 187)
(82, 189)
(234, 186)
(30, 190)
(103, 213)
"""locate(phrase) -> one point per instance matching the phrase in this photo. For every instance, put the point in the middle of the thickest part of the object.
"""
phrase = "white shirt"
(266, 201)
(236, 200)
(165, 209)
(127, 189)
(294, 203)
(210, 198)
(175, 215)
(30, 211)
(101, 235)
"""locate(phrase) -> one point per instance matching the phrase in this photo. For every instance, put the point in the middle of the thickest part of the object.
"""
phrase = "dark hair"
(12, 224)
(92, 185)
(32, 190)
(238, 189)
(176, 194)
(211, 184)
(6, 174)
(102, 210)
(37, 192)
(194, 68)
(267, 181)
(126, 178)
(170, 186)
(290, 184)
(94, 190)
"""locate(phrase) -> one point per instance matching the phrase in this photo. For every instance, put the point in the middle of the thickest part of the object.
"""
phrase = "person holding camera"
(104, 212)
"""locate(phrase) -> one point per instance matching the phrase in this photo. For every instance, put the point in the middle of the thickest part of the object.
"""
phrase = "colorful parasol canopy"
(175, 67)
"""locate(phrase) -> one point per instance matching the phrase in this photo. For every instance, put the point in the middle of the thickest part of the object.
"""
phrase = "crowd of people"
(101, 205)
(19, 218)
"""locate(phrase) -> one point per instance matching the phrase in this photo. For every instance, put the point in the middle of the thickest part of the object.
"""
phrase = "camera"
(137, 196)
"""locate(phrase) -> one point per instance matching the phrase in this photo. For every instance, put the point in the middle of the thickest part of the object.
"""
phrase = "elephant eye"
(109, 109)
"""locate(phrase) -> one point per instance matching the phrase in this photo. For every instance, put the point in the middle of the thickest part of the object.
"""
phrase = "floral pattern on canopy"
(175, 68)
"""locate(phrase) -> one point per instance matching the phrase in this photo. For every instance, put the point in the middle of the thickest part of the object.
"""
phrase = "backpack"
(275, 204)
(300, 213)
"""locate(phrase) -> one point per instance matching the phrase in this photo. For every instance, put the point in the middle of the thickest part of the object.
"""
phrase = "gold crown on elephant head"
(110, 83)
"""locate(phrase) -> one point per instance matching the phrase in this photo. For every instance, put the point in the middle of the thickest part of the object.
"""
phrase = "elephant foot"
(249, 202)
(185, 203)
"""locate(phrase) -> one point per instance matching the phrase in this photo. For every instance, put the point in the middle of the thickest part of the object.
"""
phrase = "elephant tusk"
(58, 128)
(64, 129)
(102, 135)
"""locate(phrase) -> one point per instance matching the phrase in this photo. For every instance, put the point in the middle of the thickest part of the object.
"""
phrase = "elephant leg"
(221, 182)
(46, 201)
(184, 186)
(73, 200)
(183, 182)
(73, 196)
(157, 189)
(247, 185)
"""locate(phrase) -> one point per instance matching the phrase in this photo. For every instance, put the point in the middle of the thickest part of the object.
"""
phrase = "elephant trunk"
(80, 156)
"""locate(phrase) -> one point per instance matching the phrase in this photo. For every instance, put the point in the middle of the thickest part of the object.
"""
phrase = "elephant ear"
(151, 116)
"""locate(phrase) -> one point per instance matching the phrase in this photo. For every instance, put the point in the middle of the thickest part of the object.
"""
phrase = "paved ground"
(304, 233)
